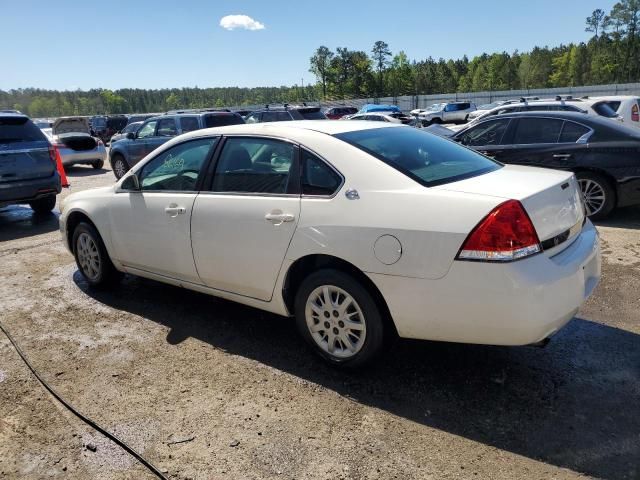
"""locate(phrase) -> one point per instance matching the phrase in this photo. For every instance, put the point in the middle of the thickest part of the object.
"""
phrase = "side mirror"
(131, 183)
(131, 135)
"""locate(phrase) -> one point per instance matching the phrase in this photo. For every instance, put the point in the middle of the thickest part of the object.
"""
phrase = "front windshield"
(436, 107)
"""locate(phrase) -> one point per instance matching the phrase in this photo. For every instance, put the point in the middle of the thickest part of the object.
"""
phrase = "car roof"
(13, 115)
(592, 120)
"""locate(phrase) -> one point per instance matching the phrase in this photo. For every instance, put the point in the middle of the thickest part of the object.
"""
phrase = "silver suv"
(450, 112)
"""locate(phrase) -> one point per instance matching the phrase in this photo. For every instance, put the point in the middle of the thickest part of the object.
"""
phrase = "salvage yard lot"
(208, 389)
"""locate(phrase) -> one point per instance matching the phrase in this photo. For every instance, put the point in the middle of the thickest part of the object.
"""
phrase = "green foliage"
(611, 55)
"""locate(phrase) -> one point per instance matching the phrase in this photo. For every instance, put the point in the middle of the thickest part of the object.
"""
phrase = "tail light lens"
(505, 235)
(52, 153)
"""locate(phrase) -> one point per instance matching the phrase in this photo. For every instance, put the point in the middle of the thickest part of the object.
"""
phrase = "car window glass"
(487, 133)
(537, 130)
(19, 129)
(604, 110)
(222, 120)
(189, 124)
(147, 129)
(318, 178)
(167, 127)
(253, 118)
(571, 132)
(177, 168)
(254, 165)
(614, 104)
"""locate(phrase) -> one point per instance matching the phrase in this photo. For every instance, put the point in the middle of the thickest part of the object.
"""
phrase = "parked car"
(391, 117)
(318, 219)
(130, 128)
(482, 109)
(71, 137)
(451, 112)
(604, 155)
(285, 113)
(125, 153)
(105, 126)
(435, 108)
(374, 107)
(28, 171)
(336, 113)
(627, 107)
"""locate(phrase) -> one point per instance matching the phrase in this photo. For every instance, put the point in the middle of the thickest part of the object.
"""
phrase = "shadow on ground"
(19, 221)
(574, 404)
(628, 217)
(83, 171)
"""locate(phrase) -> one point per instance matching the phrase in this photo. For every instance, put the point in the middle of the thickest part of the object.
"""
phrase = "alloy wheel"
(88, 256)
(335, 321)
(594, 195)
(119, 168)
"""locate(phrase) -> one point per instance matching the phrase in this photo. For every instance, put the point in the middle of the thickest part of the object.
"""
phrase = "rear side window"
(276, 117)
(222, 120)
(19, 129)
(428, 159)
(167, 127)
(485, 134)
(189, 124)
(605, 110)
(312, 114)
(614, 104)
(537, 130)
(571, 132)
(318, 178)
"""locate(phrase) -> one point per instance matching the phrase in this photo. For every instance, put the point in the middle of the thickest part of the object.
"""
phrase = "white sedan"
(362, 230)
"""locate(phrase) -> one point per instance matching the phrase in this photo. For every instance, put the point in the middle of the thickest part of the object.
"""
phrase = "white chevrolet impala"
(361, 231)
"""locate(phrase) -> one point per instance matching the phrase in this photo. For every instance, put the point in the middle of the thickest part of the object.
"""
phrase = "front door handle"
(174, 210)
(562, 155)
(277, 218)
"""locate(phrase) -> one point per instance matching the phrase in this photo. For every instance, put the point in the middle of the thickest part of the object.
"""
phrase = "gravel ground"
(207, 389)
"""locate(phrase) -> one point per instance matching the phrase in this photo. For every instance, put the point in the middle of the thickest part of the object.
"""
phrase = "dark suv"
(28, 171)
(155, 131)
(105, 127)
(285, 113)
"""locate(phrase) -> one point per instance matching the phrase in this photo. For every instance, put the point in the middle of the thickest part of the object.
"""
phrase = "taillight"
(505, 235)
(635, 113)
(52, 153)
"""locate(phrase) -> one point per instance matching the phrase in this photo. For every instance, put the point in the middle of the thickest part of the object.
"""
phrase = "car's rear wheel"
(43, 205)
(339, 318)
(120, 166)
(98, 164)
(599, 196)
(436, 120)
(92, 258)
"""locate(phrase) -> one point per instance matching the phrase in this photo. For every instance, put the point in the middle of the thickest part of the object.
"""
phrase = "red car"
(336, 113)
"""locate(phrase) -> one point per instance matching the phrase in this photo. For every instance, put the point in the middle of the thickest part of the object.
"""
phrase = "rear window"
(428, 159)
(99, 122)
(604, 109)
(312, 114)
(19, 129)
(221, 120)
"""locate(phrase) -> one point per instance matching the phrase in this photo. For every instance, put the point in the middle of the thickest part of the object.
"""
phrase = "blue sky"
(69, 44)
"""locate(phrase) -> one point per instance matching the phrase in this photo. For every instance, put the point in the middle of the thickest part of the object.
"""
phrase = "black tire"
(592, 180)
(107, 274)
(425, 123)
(437, 121)
(119, 165)
(98, 164)
(43, 205)
(373, 320)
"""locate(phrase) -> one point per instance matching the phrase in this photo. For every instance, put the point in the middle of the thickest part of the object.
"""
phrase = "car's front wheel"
(120, 166)
(598, 194)
(339, 318)
(92, 258)
(43, 205)
(98, 164)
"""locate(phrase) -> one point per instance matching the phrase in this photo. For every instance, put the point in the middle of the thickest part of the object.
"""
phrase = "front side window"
(254, 165)
(485, 134)
(318, 178)
(167, 127)
(428, 159)
(177, 168)
(147, 129)
(537, 130)
(189, 124)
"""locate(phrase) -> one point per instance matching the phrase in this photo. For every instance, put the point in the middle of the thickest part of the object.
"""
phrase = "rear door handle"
(174, 210)
(279, 218)
(562, 155)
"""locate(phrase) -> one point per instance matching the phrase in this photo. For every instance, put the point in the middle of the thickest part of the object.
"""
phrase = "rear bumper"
(497, 304)
(28, 190)
(71, 157)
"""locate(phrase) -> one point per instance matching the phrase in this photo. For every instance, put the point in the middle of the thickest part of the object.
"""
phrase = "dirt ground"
(207, 389)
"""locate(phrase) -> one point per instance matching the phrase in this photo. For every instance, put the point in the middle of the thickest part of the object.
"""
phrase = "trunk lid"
(552, 199)
(70, 125)
(24, 151)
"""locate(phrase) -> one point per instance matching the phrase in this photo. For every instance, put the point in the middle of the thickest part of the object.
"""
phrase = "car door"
(534, 141)
(150, 226)
(136, 147)
(242, 226)
(487, 137)
(165, 131)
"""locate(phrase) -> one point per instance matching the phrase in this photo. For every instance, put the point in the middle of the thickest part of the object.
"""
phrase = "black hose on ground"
(86, 420)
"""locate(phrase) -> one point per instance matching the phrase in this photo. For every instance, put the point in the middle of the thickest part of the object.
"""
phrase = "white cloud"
(231, 22)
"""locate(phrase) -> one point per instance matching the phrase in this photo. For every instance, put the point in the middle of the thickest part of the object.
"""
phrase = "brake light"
(52, 153)
(635, 114)
(505, 235)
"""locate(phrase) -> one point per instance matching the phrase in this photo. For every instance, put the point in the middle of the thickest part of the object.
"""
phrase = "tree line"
(612, 55)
